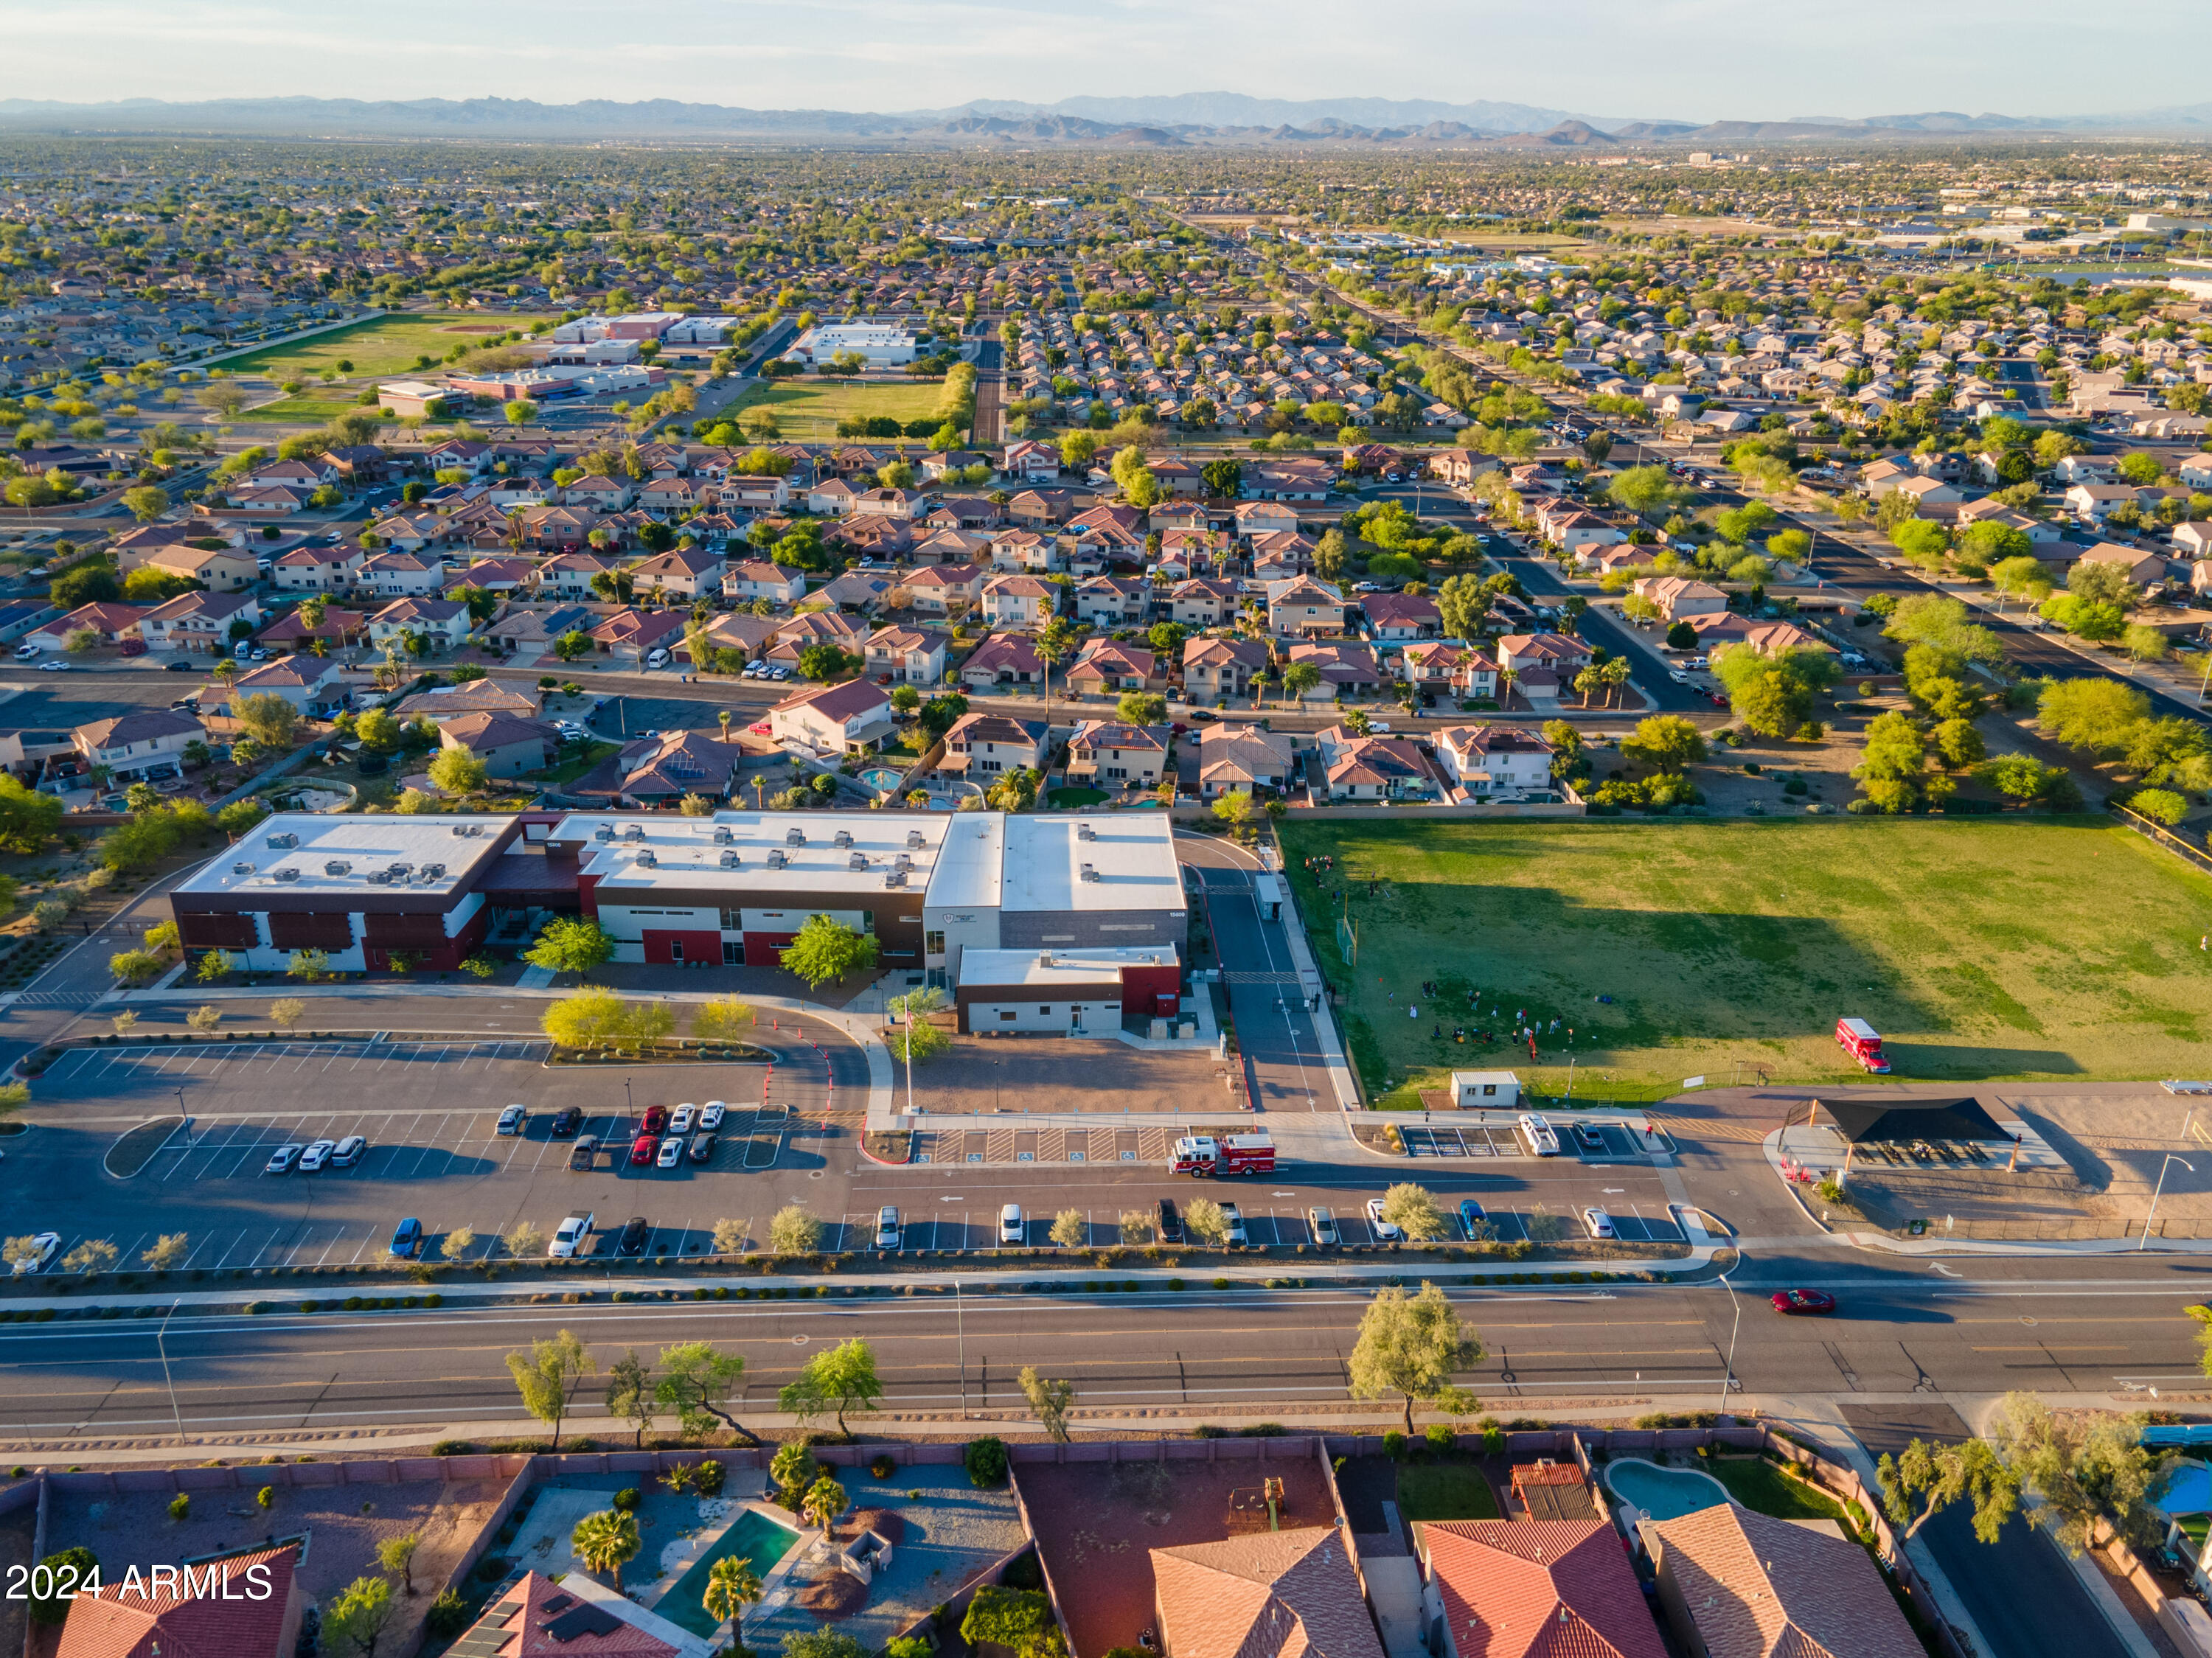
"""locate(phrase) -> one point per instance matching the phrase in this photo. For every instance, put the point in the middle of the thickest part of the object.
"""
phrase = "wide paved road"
(1906, 1332)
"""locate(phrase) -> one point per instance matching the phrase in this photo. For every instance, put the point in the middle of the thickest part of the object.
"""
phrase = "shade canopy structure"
(1860, 1121)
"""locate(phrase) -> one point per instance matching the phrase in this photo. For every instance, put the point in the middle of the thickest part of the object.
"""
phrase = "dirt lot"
(1096, 1523)
(348, 1522)
(1055, 1073)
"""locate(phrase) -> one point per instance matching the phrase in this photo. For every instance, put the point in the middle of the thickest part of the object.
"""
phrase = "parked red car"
(656, 1119)
(641, 1154)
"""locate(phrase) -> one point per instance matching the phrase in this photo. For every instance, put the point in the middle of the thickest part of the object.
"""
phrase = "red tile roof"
(122, 1620)
(1270, 1595)
(1762, 1587)
(1538, 1588)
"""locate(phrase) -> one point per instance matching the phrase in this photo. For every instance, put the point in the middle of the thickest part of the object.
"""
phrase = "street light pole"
(1728, 1378)
(161, 1346)
(2171, 1157)
(960, 1335)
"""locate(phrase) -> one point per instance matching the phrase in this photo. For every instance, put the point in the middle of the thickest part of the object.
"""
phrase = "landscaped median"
(421, 1286)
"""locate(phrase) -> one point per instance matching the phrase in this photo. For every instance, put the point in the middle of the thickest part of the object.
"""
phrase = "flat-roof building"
(1076, 991)
(884, 345)
(725, 890)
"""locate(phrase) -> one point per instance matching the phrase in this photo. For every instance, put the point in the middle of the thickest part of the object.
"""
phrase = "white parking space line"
(198, 1250)
(276, 1238)
(367, 1238)
(250, 1153)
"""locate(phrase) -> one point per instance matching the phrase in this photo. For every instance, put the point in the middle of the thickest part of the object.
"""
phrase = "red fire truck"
(1863, 1044)
(1232, 1154)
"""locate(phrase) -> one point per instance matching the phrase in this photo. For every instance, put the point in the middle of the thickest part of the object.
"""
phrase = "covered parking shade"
(1863, 1120)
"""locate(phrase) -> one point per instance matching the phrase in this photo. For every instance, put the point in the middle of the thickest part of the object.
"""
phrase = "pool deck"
(717, 1515)
(953, 1532)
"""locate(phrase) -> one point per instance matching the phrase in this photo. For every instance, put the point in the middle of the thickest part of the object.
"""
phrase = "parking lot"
(429, 1111)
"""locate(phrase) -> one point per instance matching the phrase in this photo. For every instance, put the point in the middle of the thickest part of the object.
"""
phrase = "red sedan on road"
(641, 1154)
(1804, 1303)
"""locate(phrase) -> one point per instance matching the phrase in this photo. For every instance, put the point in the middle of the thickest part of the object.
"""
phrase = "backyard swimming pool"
(1664, 1493)
(754, 1537)
(882, 779)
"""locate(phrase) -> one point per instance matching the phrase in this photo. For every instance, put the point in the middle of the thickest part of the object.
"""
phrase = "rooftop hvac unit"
(916, 840)
(283, 842)
(902, 862)
(722, 836)
(241, 869)
(1084, 832)
(775, 857)
(1044, 958)
(431, 873)
(1090, 871)
(604, 832)
(379, 877)
(894, 877)
(338, 866)
(288, 872)
(401, 872)
(460, 830)
(647, 860)
(858, 861)
(633, 831)
(795, 837)
(729, 860)
(844, 838)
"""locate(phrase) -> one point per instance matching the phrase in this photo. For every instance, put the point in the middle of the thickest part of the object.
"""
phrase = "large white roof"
(340, 853)
(637, 852)
(1130, 857)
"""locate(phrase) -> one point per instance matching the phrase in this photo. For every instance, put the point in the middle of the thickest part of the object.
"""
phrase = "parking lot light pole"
(2172, 1157)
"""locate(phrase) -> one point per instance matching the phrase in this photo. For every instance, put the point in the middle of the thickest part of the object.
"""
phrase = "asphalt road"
(1905, 1335)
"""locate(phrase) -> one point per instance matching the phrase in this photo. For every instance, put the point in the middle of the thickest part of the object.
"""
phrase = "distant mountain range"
(1188, 119)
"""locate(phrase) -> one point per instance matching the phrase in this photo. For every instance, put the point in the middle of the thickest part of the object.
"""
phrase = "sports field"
(381, 345)
(808, 411)
(1980, 948)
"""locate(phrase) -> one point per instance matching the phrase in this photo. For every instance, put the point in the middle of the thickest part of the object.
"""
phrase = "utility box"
(1474, 1090)
(1268, 893)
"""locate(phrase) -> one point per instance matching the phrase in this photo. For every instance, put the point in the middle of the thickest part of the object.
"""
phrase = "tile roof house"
(840, 718)
(576, 1617)
(312, 685)
(1305, 606)
(447, 620)
(985, 744)
(509, 743)
(111, 621)
(197, 622)
(1216, 668)
(658, 771)
(1003, 660)
(1485, 760)
(1291, 1593)
(1537, 1588)
(1105, 666)
(1232, 757)
(632, 634)
(134, 744)
(1355, 768)
(1679, 598)
(1019, 601)
(1737, 1584)
(688, 572)
(1344, 668)
(1401, 615)
(339, 626)
(913, 656)
(1118, 755)
(126, 1618)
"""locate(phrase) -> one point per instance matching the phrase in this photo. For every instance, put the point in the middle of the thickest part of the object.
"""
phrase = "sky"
(1687, 59)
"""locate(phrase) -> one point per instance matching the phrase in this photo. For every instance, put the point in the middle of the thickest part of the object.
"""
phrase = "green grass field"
(808, 411)
(380, 346)
(1981, 948)
(1445, 1490)
(1763, 1488)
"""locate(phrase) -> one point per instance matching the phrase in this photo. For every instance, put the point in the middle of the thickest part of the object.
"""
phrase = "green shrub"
(1004, 1617)
(627, 1499)
(266, 1497)
(180, 1505)
(708, 1477)
(1440, 1438)
(882, 1467)
(1393, 1445)
(453, 1448)
(448, 1615)
(986, 1462)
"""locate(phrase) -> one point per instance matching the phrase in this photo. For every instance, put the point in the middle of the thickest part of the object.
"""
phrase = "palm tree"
(1507, 677)
(604, 1541)
(724, 716)
(1587, 681)
(732, 1586)
(824, 1501)
(1616, 675)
